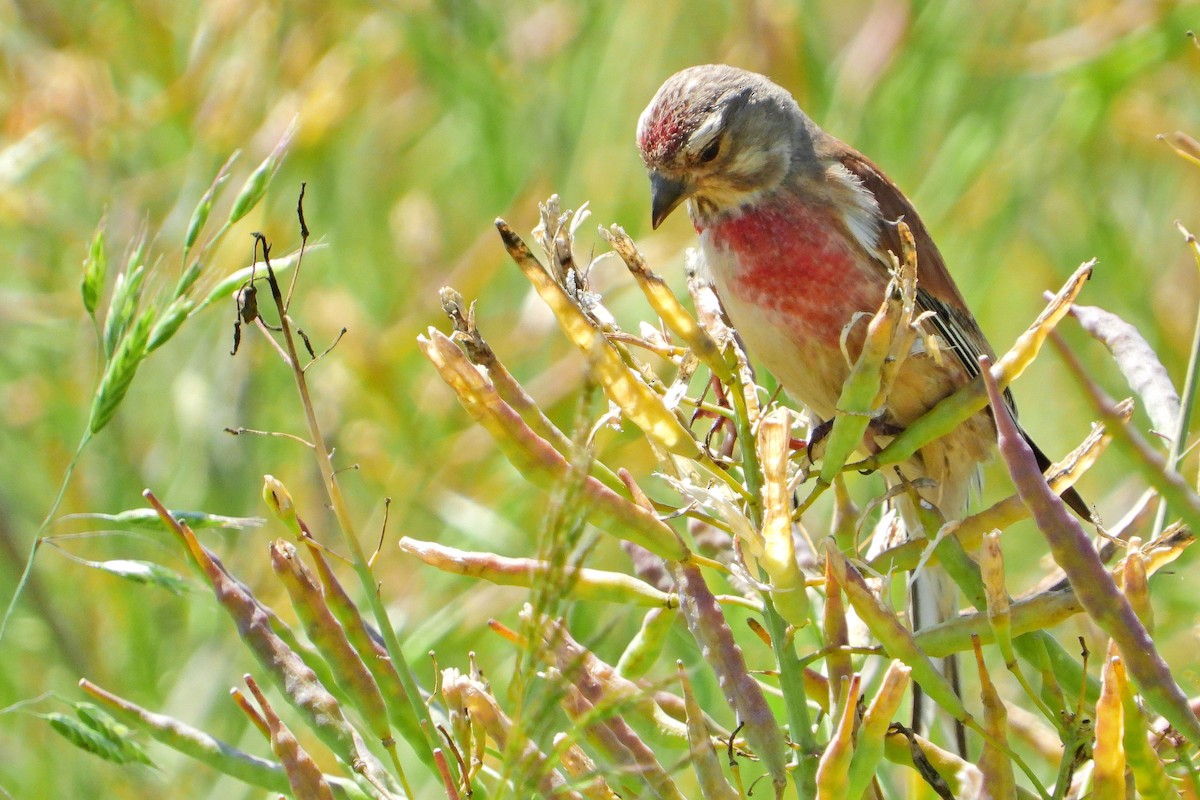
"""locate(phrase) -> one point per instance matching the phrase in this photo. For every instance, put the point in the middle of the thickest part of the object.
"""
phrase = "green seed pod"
(647, 644)
(170, 322)
(119, 372)
(95, 268)
(256, 185)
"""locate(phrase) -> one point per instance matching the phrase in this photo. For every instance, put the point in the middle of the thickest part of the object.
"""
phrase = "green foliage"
(1025, 134)
(95, 269)
(99, 734)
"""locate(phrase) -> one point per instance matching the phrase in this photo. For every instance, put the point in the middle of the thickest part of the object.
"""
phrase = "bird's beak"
(665, 196)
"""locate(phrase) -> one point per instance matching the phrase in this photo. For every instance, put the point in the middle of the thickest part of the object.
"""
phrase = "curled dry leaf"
(1138, 363)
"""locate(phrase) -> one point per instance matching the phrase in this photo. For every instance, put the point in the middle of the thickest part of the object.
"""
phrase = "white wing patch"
(861, 214)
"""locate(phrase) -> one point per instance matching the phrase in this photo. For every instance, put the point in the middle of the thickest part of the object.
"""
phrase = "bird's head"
(721, 136)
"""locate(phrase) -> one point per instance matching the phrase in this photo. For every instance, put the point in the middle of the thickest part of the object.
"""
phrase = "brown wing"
(937, 289)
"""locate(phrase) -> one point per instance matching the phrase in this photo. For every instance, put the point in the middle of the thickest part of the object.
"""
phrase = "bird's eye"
(710, 151)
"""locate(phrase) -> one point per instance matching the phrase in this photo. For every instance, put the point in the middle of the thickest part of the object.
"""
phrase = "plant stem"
(1186, 405)
(791, 672)
(358, 558)
(37, 536)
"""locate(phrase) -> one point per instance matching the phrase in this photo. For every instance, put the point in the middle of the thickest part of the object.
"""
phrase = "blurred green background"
(1024, 132)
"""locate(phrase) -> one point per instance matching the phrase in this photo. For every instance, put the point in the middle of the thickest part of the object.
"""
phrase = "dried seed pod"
(994, 762)
(742, 693)
(327, 634)
(713, 785)
(303, 774)
(869, 742)
(637, 401)
(833, 771)
(584, 583)
(537, 460)
(285, 667)
(1108, 753)
(778, 556)
(220, 756)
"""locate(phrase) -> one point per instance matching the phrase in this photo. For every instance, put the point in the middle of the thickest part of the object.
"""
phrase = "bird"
(796, 231)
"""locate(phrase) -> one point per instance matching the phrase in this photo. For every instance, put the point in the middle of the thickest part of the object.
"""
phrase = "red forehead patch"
(662, 135)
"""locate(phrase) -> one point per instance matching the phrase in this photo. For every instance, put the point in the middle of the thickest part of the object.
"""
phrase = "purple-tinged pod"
(613, 736)
(649, 567)
(644, 757)
(601, 737)
(367, 642)
(704, 759)
(285, 667)
(200, 746)
(1094, 586)
(303, 774)
(646, 565)
(330, 639)
(742, 692)
(598, 680)
(468, 335)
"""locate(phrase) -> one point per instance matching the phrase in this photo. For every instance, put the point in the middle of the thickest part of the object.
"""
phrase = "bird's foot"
(814, 447)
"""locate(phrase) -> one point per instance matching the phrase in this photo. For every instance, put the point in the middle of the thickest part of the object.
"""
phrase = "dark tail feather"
(1070, 496)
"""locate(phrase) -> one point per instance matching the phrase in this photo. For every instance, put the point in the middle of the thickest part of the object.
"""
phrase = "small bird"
(796, 230)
